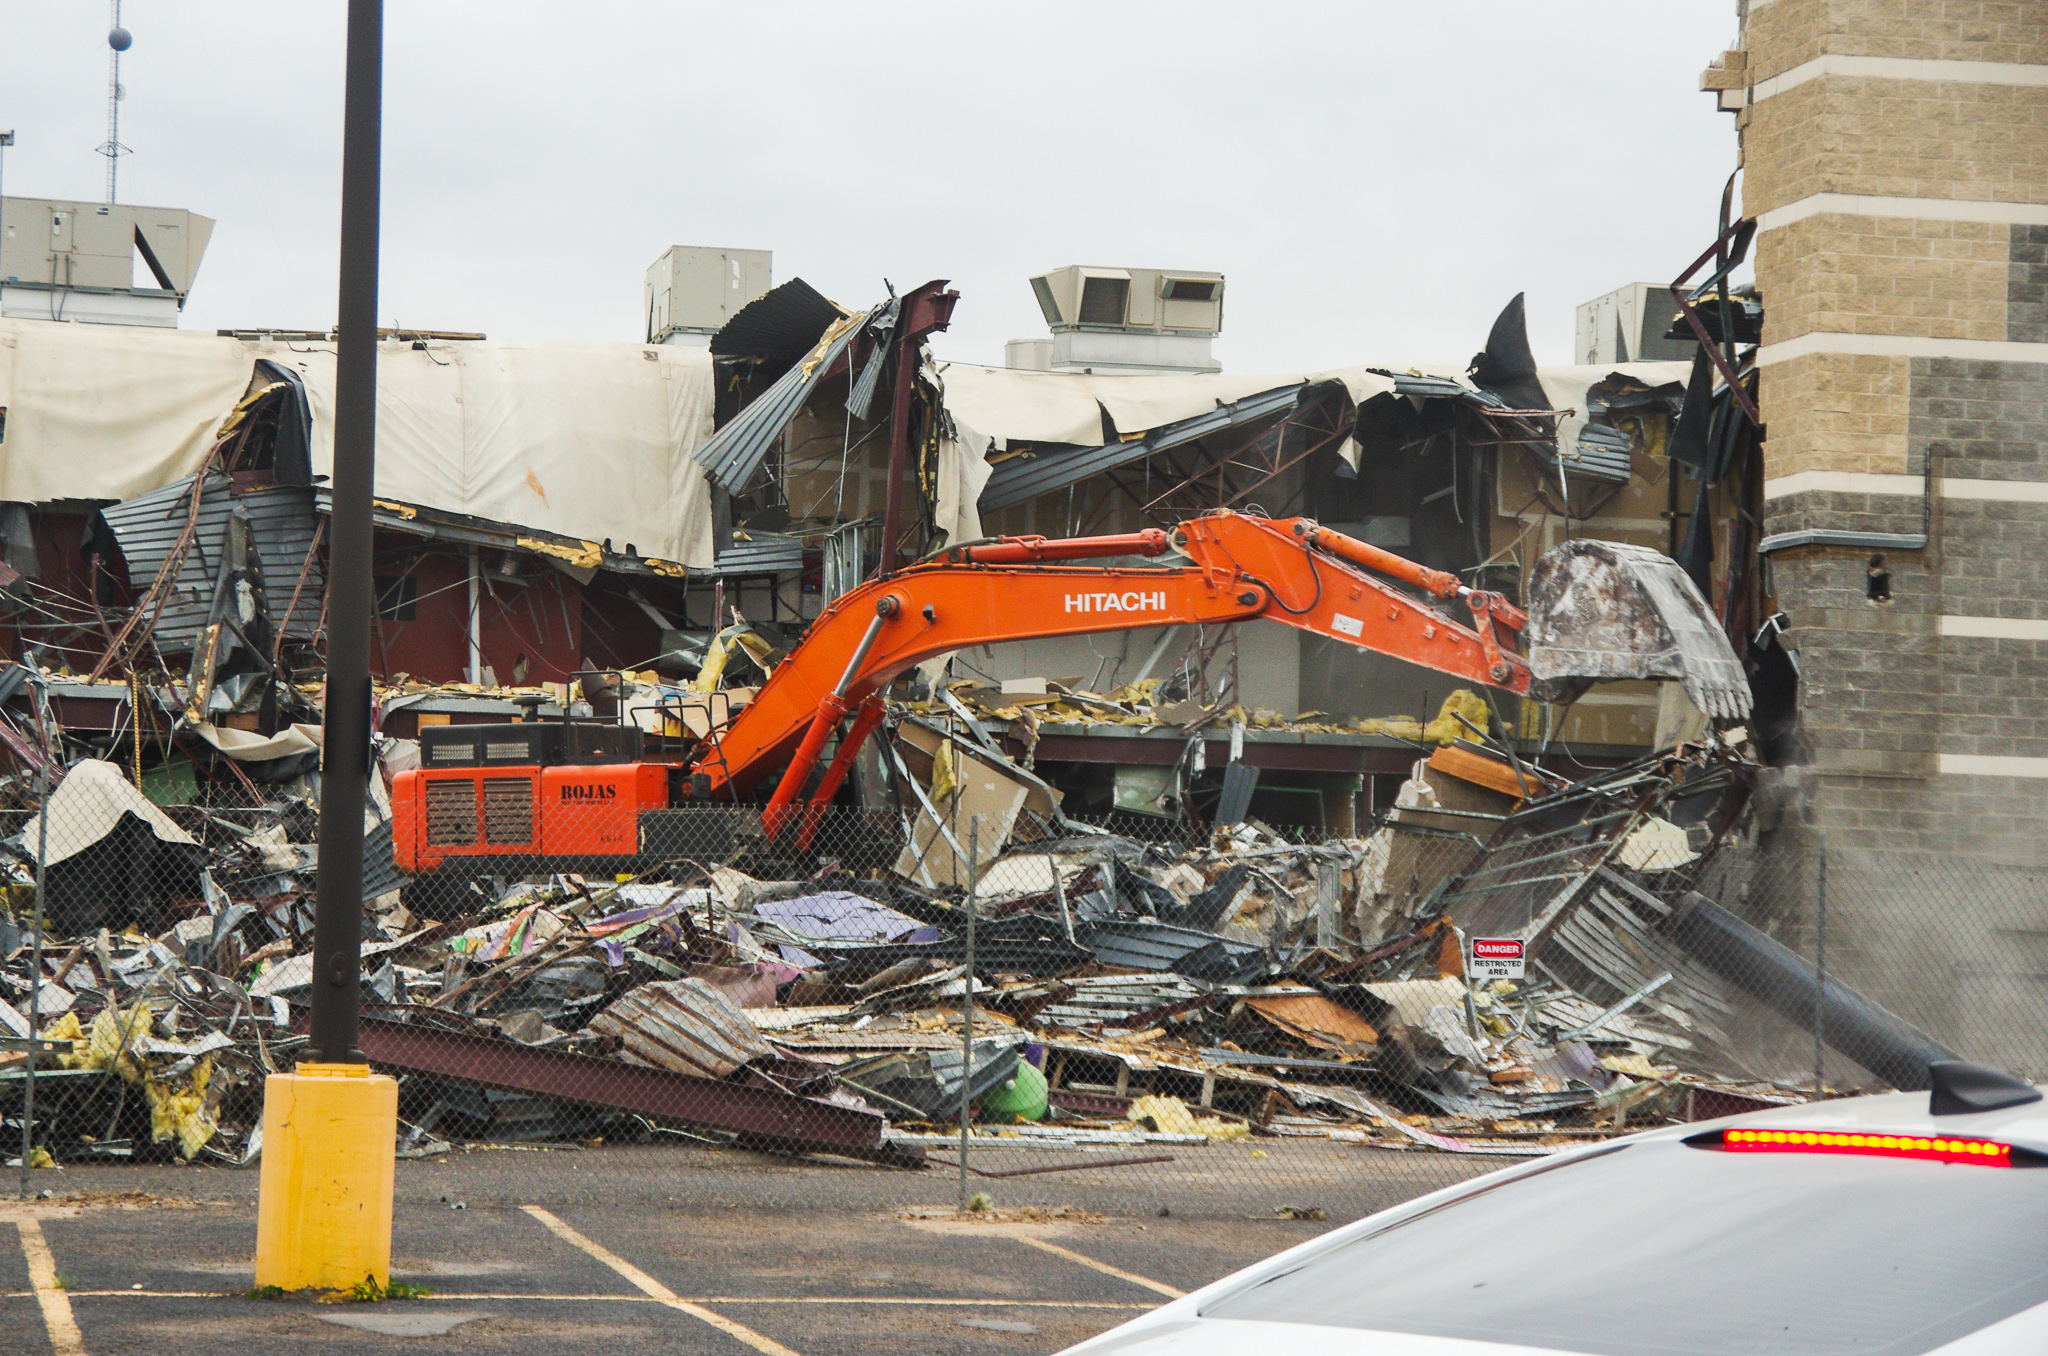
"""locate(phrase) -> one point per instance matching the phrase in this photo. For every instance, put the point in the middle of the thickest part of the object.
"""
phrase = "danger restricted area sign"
(1496, 958)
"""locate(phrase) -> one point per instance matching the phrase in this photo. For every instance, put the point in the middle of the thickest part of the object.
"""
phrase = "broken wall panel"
(981, 811)
(60, 580)
(530, 622)
(281, 523)
(733, 455)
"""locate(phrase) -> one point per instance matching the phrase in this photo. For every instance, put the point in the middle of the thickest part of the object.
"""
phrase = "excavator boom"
(1233, 568)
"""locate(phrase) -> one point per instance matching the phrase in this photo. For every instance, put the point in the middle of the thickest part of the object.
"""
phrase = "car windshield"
(1668, 1250)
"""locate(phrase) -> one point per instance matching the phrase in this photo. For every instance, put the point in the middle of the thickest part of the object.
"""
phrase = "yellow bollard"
(323, 1213)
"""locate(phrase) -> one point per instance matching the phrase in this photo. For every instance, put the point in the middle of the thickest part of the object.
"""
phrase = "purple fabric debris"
(842, 915)
(617, 921)
(783, 973)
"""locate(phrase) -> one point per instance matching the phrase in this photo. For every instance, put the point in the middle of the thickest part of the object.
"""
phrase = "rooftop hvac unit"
(96, 244)
(1131, 300)
(1628, 326)
(99, 263)
(692, 290)
(1028, 355)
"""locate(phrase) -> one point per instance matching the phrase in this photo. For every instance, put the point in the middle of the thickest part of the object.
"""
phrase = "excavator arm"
(1230, 568)
(1597, 611)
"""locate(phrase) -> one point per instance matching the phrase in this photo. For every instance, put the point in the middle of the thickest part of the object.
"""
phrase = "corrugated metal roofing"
(779, 326)
(1140, 944)
(1424, 387)
(1109, 999)
(763, 553)
(684, 1026)
(1027, 477)
(1602, 454)
(380, 864)
(735, 452)
(1429, 388)
(281, 522)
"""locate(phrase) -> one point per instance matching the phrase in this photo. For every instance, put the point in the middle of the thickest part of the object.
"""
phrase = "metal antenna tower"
(119, 40)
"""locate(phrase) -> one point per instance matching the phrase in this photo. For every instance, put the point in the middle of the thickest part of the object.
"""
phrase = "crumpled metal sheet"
(281, 522)
(926, 1083)
(732, 455)
(1601, 611)
(684, 1026)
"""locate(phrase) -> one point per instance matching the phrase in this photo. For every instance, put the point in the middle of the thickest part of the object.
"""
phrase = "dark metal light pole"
(330, 1126)
(338, 905)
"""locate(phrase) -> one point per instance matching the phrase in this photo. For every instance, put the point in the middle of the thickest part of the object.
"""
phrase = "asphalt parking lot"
(663, 1249)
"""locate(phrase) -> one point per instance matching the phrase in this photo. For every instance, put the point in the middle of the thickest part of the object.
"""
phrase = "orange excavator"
(533, 795)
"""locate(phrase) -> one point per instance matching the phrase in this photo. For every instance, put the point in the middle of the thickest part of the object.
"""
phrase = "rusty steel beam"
(1730, 246)
(924, 310)
(762, 1117)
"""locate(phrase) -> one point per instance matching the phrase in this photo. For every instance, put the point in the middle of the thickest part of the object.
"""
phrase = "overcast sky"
(1375, 180)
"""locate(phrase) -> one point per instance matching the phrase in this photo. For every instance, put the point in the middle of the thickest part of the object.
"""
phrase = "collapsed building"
(549, 508)
(1230, 872)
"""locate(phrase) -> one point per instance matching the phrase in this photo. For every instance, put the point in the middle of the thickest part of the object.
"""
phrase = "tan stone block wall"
(1786, 33)
(1835, 412)
(1787, 147)
(1843, 274)
(1905, 138)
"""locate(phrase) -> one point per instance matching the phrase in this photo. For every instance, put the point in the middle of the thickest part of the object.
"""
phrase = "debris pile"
(1112, 992)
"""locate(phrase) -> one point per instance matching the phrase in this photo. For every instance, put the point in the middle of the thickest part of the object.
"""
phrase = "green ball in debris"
(1020, 1098)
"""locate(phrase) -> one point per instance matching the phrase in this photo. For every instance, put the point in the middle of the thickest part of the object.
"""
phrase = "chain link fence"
(961, 999)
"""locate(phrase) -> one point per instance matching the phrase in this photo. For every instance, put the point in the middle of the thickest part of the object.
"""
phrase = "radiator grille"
(508, 809)
(451, 813)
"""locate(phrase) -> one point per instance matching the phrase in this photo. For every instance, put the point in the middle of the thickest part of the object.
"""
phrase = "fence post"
(967, 1007)
(1820, 965)
(35, 972)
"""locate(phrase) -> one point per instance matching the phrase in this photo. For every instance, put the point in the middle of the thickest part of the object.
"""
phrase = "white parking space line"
(1105, 1268)
(647, 1285)
(50, 1297)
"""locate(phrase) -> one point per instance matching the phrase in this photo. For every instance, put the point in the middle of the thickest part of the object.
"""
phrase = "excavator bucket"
(1603, 610)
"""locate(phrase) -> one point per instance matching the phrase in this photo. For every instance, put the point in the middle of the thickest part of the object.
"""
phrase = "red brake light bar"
(1935, 1148)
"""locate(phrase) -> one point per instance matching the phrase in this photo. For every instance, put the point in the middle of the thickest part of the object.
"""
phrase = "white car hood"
(2023, 1334)
(1241, 1337)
